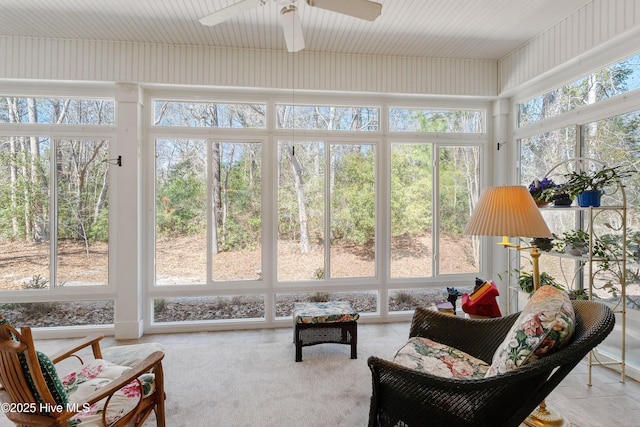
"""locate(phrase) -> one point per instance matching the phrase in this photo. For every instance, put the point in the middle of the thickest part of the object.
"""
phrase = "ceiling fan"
(290, 19)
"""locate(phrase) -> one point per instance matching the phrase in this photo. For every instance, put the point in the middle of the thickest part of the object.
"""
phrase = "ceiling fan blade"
(290, 21)
(230, 11)
(363, 9)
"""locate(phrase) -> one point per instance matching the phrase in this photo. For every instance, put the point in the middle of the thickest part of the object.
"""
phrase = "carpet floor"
(250, 379)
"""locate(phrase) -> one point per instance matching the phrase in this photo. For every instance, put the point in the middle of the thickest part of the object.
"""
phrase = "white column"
(125, 228)
(503, 168)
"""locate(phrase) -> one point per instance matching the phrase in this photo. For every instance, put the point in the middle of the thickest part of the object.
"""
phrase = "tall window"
(196, 180)
(433, 188)
(326, 195)
(459, 179)
(54, 192)
(54, 210)
(416, 250)
(208, 195)
(309, 246)
(412, 210)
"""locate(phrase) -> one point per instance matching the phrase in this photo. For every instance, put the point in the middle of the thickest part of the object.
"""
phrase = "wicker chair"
(405, 397)
(36, 401)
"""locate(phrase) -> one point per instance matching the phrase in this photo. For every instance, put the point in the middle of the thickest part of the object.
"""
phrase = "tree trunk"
(225, 200)
(216, 197)
(13, 167)
(102, 197)
(38, 215)
(302, 209)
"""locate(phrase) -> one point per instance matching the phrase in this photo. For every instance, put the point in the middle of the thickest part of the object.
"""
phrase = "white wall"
(90, 60)
(599, 33)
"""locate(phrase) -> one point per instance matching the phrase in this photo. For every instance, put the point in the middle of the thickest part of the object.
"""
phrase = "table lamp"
(510, 211)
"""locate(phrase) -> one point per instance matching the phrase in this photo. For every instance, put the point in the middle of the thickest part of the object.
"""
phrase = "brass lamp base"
(543, 416)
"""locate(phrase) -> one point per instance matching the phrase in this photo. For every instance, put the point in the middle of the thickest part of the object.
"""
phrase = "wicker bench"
(325, 322)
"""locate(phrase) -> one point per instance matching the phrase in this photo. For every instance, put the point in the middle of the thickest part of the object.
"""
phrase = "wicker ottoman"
(325, 322)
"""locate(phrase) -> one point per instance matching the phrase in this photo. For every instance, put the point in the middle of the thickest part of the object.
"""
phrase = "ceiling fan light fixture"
(292, 28)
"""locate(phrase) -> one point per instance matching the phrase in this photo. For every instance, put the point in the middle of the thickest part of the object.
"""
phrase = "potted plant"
(578, 294)
(576, 242)
(525, 281)
(588, 185)
(542, 243)
(542, 191)
(562, 197)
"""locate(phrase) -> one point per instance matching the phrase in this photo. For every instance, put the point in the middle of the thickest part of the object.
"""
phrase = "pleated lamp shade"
(507, 211)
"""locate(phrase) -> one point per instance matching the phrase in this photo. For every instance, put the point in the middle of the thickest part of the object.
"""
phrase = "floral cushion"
(95, 375)
(425, 355)
(131, 354)
(324, 312)
(545, 325)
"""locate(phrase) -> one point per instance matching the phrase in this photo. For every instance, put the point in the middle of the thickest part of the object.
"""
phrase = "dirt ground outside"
(182, 260)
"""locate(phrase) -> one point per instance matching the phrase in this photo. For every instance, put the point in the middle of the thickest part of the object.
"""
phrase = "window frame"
(53, 132)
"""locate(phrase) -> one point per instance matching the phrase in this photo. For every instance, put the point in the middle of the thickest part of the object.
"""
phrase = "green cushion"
(50, 377)
(48, 372)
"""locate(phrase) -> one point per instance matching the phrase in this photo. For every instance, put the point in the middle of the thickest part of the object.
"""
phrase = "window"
(431, 120)
(309, 175)
(57, 111)
(412, 210)
(613, 138)
(540, 152)
(459, 187)
(323, 210)
(196, 180)
(619, 78)
(415, 245)
(318, 117)
(54, 213)
(209, 114)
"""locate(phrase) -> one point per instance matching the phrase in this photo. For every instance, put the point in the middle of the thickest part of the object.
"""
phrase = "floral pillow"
(545, 325)
(94, 375)
(425, 355)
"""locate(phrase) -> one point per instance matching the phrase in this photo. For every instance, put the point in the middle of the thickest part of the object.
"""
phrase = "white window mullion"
(327, 210)
(53, 213)
(210, 214)
(435, 228)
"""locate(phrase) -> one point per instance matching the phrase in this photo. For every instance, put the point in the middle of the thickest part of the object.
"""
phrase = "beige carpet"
(259, 383)
(249, 378)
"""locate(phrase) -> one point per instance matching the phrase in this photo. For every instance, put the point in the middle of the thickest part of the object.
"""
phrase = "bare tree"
(13, 167)
(300, 195)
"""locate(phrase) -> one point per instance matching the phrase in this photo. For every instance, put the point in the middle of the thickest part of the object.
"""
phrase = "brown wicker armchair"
(405, 397)
(33, 395)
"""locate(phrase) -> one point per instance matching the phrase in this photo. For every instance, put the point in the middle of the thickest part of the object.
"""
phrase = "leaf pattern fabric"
(545, 325)
(93, 376)
(130, 354)
(324, 312)
(425, 355)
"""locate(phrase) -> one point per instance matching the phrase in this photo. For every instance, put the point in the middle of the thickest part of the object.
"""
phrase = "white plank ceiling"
(472, 29)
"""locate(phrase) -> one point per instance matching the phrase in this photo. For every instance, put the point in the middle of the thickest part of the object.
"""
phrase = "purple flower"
(537, 188)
